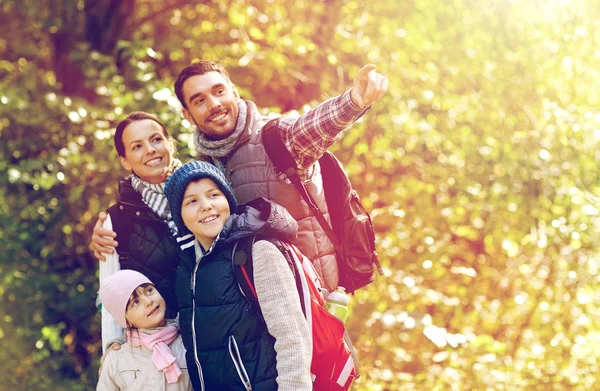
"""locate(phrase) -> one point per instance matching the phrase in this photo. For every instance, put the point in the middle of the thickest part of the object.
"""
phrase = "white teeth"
(209, 219)
(154, 161)
(218, 117)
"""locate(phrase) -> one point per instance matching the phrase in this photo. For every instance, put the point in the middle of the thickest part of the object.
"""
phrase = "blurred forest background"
(480, 166)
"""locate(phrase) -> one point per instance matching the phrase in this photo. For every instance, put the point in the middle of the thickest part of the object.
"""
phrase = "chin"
(218, 134)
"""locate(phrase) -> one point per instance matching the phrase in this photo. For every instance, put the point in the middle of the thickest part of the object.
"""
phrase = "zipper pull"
(375, 255)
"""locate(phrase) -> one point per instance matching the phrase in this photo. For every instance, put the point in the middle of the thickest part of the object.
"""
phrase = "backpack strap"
(244, 271)
(285, 163)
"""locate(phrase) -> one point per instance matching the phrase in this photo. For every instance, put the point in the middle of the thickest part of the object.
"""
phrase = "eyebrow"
(135, 294)
(197, 94)
(139, 141)
(207, 191)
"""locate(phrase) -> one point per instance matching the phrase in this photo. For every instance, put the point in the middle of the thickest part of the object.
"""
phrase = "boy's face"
(204, 210)
(146, 308)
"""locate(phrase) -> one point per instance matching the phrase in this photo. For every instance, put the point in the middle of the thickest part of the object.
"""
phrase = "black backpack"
(351, 229)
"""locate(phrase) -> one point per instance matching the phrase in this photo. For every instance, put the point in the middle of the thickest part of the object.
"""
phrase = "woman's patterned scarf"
(222, 148)
(153, 195)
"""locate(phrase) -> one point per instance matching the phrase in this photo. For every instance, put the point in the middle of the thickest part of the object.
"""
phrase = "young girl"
(153, 357)
(229, 345)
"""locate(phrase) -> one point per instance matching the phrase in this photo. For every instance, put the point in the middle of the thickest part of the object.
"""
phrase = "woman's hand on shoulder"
(103, 239)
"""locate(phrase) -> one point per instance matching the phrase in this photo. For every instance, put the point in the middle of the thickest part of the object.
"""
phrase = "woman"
(141, 217)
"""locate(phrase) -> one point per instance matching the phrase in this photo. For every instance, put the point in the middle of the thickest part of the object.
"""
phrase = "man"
(228, 134)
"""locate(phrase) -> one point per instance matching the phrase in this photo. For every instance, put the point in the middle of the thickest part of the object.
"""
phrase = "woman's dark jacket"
(146, 243)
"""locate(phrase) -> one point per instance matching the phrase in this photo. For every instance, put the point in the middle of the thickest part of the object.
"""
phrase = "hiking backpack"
(333, 365)
(351, 229)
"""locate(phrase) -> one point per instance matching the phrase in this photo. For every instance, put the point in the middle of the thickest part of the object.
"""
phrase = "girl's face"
(204, 210)
(148, 152)
(146, 308)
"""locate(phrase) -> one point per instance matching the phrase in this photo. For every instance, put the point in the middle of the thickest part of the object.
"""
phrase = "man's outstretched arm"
(310, 135)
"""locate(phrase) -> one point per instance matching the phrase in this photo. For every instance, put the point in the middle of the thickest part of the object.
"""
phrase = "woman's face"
(148, 152)
(146, 308)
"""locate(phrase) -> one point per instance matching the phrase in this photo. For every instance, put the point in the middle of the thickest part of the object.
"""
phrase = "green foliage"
(480, 166)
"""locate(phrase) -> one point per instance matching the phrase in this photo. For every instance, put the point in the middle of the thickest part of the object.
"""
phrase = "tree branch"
(167, 7)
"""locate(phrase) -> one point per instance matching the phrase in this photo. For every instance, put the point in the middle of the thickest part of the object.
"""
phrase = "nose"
(213, 101)
(205, 204)
(147, 301)
(149, 149)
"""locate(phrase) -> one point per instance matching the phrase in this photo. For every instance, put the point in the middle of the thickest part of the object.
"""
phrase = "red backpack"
(333, 361)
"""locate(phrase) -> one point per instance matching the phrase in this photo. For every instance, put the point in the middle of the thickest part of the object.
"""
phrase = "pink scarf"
(162, 356)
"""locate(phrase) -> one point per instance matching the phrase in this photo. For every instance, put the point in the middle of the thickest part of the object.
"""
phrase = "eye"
(199, 101)
(157, 140)
(215, 194)
(149, 290)
(190, 202)
(135, 302)
(221, 91)
(136, 147)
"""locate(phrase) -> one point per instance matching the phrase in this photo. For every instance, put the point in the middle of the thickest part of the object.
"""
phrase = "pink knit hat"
(115, 292)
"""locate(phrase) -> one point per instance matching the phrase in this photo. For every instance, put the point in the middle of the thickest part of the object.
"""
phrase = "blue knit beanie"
(181, 178)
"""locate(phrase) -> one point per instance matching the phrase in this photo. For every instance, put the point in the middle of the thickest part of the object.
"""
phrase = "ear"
(124, 163)
(186, 114)
(235, 91)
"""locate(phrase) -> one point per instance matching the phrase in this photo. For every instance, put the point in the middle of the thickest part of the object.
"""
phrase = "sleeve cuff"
(351, 107)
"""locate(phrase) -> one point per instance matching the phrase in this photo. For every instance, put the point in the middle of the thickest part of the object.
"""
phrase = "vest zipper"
(193, 287)
(200, 375)
(234, 352)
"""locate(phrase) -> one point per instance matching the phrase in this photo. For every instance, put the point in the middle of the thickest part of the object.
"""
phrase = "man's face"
(211, 102)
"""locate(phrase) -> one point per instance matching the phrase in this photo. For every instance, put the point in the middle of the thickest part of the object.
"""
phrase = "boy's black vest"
(146, 243)
(224, 326)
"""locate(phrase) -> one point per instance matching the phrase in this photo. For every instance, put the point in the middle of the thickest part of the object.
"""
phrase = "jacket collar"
(259, 217)
(128, 194)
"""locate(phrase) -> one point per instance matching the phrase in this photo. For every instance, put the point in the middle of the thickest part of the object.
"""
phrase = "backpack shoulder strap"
(243, 270)
(285, 163)
(276, 149)
(336, 187)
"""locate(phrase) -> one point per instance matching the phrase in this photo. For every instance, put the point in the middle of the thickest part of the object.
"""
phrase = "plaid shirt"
(309, 136)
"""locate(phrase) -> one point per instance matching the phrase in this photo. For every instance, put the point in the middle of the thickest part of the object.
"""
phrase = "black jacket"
(220, 331)
(146, 243)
